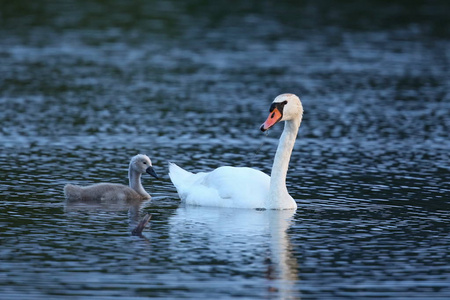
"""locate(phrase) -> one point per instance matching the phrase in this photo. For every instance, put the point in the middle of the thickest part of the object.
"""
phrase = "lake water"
(85, 85)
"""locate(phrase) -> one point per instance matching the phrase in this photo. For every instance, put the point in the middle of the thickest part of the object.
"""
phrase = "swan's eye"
(145, 163)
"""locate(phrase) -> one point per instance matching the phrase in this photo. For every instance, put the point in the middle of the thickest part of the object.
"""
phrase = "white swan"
(242, 187)
(111, 192)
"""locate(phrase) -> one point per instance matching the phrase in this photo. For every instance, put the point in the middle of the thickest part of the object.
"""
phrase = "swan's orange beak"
(272, 119)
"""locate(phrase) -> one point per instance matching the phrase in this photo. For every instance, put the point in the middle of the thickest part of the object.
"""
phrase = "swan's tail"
(72, 192)
(178, 175)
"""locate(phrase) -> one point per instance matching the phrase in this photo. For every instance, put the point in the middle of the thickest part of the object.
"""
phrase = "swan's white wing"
(223, 187)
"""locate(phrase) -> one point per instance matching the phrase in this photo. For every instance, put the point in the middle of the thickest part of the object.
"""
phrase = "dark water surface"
(85, 85)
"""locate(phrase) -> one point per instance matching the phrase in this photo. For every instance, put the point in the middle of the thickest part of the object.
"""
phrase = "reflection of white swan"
(239, 239)
(246, 187)
(110, 192)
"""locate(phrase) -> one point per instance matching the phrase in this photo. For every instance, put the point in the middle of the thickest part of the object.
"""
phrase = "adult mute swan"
(109, 192)
(242, 187)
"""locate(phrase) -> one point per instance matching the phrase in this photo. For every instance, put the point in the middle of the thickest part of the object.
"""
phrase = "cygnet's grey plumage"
(111, 192)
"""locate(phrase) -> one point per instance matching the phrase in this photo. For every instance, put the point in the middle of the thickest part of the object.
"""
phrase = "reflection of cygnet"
(111, 192)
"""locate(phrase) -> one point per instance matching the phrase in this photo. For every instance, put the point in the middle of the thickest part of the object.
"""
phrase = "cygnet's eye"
(145, 163)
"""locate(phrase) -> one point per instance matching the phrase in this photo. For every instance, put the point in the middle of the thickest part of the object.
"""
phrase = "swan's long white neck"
(278, 194)
(135, 181)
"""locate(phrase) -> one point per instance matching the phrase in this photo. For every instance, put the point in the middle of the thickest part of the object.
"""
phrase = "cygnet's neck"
(278, 195)
(135, 182)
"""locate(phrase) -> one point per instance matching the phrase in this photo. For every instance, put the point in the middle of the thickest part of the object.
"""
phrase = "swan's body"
(224, 186)
(245, 187)
(111, 192)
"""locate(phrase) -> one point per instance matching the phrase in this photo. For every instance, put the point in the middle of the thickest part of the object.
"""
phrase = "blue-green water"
(85, 85)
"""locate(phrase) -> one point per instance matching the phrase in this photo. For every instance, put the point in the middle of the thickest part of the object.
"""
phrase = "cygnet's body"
(111, 192)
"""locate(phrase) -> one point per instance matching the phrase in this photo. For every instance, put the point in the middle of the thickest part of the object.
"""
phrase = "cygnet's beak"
(152, 172)
(274, 116)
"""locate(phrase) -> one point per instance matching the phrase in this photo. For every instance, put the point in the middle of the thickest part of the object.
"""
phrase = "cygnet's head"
(141, 163)
(285, 107)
